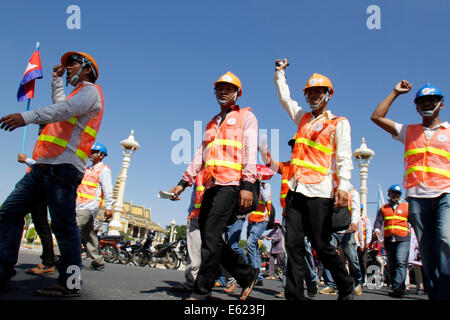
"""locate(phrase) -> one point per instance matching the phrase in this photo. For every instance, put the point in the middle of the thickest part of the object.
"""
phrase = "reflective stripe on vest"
(56, 136)
(87, 190)
(395, 222)
(313, 149)
(427, 161)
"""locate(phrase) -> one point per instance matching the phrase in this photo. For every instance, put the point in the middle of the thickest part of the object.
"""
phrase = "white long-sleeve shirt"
(105, 185)
(86, 104)
(341, 139)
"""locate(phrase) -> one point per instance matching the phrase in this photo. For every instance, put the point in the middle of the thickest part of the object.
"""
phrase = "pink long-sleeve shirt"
(249, 151)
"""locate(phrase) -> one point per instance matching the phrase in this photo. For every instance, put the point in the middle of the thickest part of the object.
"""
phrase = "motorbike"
(162, 253)
(108, 247)
(124, 252)
(181, 252)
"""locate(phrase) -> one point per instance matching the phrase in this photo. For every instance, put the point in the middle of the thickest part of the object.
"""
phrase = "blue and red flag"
(32, 72)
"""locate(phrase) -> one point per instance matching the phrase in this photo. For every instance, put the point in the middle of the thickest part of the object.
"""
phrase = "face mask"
(316, 106)
(429, 113)
(223, 102)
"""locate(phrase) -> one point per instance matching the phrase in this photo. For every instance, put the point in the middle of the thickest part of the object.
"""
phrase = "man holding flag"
(63, 147)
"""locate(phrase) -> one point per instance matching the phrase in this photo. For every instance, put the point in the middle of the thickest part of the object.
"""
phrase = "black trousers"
(218, 210)
(40, 220)
(363, 257)
(311, 217)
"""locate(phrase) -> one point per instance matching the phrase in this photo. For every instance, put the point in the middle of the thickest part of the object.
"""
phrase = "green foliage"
(31, 235)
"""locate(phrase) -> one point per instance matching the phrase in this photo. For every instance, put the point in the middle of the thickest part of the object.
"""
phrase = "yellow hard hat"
(230, 78)
(83, 54)
(319, 80)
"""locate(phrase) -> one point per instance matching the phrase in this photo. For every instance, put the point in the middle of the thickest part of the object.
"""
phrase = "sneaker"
(312, 292)
(40, 269)
(230, 288)
(328, 290)
(358, 290)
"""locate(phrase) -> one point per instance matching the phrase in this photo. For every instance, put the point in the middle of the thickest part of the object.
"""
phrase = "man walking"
(322, 147)
(95, 187)
(427, 180)
(224, 171)
(62, 148)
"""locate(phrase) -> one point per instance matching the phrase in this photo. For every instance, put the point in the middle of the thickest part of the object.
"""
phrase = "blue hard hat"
(99, 147)
(429, 90)
(395, 187)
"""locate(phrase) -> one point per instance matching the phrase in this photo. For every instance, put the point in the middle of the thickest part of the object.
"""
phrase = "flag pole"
(28, 109)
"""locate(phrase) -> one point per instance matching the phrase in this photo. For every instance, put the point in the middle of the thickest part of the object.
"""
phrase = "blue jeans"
(311, 278)
(348, 244)
(58, 184)
(397, 256)
(234, 235)
(430, 218)
(254, 232)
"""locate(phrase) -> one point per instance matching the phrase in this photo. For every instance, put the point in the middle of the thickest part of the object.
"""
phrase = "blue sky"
(158, 62)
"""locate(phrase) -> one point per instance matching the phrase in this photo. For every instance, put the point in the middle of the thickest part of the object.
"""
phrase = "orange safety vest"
(87, 190)
(56, 136)
(284, 170)
(313, 149)
(395, 222)
(261, 213)
(427, 162)
(224, 156)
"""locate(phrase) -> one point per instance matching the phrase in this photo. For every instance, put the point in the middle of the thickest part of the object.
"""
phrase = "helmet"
(318, 80)
(99, 147)
(230, 78)
(395, 187)
(429, 90)
(82, 57)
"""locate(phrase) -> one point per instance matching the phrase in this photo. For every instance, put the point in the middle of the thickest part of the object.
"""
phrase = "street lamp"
(129, 147)
(172, 228)
(363, 156)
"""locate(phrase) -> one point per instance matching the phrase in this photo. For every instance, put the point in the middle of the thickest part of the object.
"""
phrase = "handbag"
(340, 219)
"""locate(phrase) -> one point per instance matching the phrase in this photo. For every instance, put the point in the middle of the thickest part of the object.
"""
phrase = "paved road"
(120, 282)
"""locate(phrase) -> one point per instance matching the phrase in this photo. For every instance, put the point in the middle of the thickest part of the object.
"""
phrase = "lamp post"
(129, 146)
(363, 155)
(172, 229)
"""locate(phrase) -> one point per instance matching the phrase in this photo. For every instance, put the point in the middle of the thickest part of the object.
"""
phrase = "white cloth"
(341, 139)
(105, 185)
(30, 162)
(86, 104)
(420, 190)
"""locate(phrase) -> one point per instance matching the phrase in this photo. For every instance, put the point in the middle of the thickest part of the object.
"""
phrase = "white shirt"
(105, 185)
(420, 190)
(341, 139)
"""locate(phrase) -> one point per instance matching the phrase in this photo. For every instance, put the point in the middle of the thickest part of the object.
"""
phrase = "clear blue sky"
(158, 62)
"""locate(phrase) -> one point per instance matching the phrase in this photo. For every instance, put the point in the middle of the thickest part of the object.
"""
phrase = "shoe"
(259, 283)
(246, 292)
(358, 290)
(57, 291)
(312, 292)
(328, 290)
(230, 288)
(396, 294)
(95, 268)
(280, 295)
(351, 296)
(40, 269)
(272, 278)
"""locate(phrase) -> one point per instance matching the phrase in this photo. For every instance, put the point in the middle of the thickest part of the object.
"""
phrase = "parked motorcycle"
(108, 247)
(162, 253)
(125, 251)
(181, 252)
